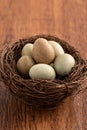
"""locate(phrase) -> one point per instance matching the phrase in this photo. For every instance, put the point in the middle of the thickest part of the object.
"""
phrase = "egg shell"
(42, 71)
(24, 64)
(27, 50)
(63, 64)
(57, 47)
(42, 51)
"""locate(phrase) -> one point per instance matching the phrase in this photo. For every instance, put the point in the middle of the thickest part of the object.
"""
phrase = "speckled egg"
(42, 51)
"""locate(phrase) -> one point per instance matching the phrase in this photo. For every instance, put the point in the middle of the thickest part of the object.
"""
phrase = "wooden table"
(68, 20)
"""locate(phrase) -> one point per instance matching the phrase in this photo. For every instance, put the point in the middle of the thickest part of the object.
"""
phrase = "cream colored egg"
(24, 64)
(27, 49)
(42, 51)
(42, 71)
(63, 64)
(57, 47)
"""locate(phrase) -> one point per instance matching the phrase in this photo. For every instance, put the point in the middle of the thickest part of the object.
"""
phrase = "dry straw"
(43, 94)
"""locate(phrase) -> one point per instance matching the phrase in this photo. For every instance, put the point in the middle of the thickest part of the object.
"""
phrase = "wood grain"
(66, 19)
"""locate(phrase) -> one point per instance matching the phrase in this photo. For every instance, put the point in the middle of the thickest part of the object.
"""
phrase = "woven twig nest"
(44, 94)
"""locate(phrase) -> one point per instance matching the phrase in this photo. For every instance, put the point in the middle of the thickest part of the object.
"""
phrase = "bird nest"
(43, 94)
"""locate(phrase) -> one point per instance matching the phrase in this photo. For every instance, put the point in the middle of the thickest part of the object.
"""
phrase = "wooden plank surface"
(68, 20)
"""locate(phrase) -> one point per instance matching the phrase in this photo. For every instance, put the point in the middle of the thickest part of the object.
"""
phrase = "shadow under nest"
(41, 94)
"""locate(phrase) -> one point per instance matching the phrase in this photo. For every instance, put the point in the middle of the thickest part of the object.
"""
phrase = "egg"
(42, 51)
(42, 71)
(24, 64)
(57, 47)
(27, 50)
(63, 64)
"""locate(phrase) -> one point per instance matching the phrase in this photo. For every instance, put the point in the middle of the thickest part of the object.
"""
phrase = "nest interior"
(43, 94)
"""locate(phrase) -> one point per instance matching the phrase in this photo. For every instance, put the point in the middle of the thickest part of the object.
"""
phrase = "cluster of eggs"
(44, 60)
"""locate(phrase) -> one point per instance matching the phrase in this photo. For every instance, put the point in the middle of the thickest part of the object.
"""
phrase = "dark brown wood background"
(68, 20)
